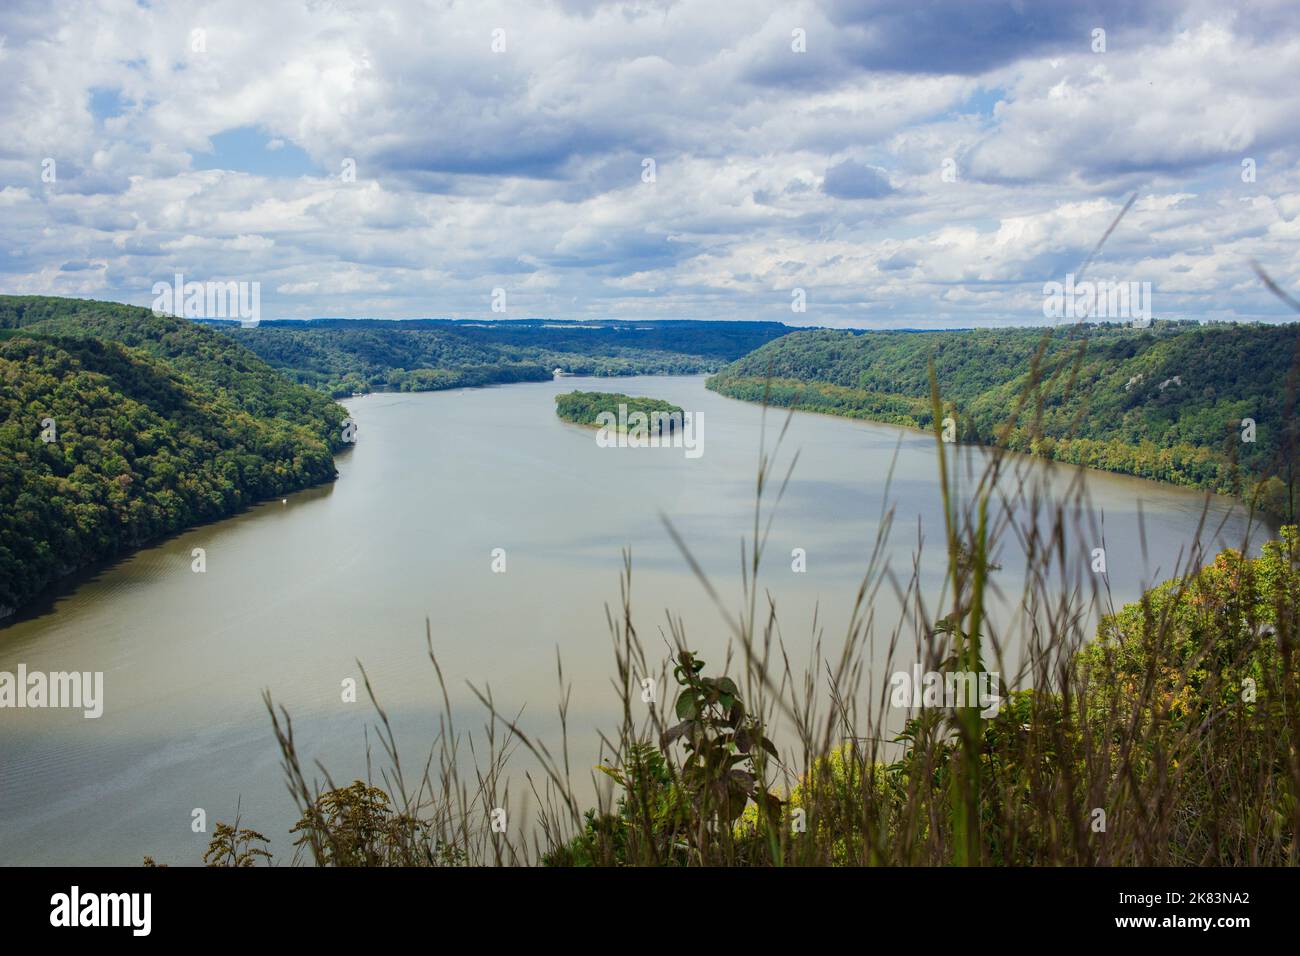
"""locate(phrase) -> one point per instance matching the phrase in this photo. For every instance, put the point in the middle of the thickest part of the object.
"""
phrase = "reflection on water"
(295, 593)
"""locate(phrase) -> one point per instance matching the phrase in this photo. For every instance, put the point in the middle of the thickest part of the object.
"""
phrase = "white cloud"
(522, 169)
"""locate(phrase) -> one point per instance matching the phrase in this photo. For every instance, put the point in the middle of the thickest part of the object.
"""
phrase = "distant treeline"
(344, 356)
(118, 426)
(1173, 402)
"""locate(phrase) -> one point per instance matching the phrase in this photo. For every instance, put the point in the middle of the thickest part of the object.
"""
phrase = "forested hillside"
(1167, 402)
(342, 356)
(118, 426)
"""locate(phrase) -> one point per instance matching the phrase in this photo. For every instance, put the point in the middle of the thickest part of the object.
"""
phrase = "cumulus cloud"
(905, 164)
(853, 180)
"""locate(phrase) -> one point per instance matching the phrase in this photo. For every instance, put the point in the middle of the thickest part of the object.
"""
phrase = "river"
(295, 592)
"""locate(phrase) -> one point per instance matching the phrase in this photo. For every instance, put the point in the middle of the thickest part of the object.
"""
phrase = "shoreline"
(44, 601)
(1273, 522)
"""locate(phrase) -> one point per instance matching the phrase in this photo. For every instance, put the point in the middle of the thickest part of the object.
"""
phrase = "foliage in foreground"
(1172, 743)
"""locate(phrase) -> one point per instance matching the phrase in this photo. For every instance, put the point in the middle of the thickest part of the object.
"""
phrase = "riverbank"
(1180, 464)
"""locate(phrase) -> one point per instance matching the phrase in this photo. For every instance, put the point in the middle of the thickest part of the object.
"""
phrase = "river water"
(296, 592)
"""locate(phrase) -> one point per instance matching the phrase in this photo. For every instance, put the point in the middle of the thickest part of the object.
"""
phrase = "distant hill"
(343, 356)
(1166, 402)
(157, 424)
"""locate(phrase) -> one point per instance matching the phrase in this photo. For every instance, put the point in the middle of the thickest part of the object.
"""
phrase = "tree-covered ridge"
(17, 311)
(345, 361)
(341, 356)
(584, 408)
(213, 362)
(346, 356)
(1167, 402)
(156, 425)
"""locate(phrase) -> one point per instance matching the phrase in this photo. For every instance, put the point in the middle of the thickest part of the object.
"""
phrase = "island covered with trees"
(1208, 406)
(118, 427)
(586, 408)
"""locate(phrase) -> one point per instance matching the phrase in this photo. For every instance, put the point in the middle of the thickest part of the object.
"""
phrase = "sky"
(894, 164)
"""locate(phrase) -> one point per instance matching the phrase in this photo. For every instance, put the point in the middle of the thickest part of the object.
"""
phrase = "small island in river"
(590, 409)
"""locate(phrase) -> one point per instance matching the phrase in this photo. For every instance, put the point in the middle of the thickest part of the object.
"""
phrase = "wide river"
(296, 592)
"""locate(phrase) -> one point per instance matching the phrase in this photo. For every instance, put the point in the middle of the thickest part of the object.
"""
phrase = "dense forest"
(118, 426)
(583, 408)
(346, 356)
(1167, 402)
